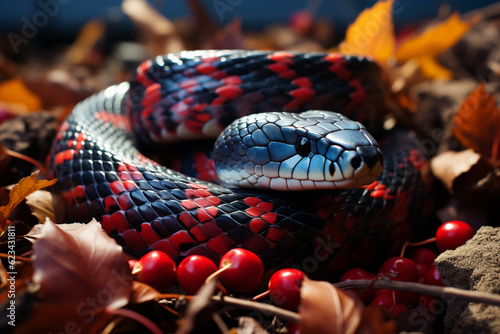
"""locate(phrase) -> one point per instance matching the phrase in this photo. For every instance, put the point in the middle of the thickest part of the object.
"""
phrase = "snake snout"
(371, 155)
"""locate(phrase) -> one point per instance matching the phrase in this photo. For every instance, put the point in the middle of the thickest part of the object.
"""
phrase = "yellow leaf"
(435, 39)
(432, 69)
(16, 93)
(25, 187)
(372, 34)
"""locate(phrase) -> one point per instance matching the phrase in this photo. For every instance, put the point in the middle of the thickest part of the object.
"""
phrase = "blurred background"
(58, 21)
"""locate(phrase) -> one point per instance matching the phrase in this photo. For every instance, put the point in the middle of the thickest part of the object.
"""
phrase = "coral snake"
(193, 95)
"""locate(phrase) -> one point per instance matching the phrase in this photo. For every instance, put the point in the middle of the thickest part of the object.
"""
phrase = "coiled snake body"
(146, 206)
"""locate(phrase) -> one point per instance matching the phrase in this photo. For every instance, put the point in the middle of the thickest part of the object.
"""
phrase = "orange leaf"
(16, 93)
(326, 309)
(373, 322)
(436, 38)
(372, 34)
(25, 187)
(432, 69)
(477, 124)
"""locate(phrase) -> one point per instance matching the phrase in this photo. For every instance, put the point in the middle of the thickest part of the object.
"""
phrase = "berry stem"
(18, 258)
(431, 290)
(416, 244)
(21, 156)
(262, 295)
(218, 272)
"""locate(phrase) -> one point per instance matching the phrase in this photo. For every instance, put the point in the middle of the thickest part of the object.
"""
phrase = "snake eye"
(356, 162)
(303, 146)
(331, 168)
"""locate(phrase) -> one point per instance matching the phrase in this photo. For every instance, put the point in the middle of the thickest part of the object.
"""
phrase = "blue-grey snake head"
(307, 151)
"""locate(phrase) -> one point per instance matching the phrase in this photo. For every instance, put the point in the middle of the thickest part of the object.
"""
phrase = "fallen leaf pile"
(74, 278)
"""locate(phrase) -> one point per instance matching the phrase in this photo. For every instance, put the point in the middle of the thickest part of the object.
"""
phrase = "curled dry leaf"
(467, 175)
(81, 274)
(448, 165)
(477, 125)
(372, 33)
(36, 232)
(43, 204)
(326, 309)
(26, 186)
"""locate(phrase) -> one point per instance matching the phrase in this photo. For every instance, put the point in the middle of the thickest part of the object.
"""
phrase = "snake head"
(308, 151)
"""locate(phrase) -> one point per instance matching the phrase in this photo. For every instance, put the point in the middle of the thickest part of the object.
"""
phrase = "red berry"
(385, 299)
(403, 270)
(431, 305)
(357, 273)
(284, 288)
(453, 234)
(292, 327)
(244, 272)
(399, 309)
(157, 269)
(193, 271)
(433, 277)
(423, 258)
(423, 255)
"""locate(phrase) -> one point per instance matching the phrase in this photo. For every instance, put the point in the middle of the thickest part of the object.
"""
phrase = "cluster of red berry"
(240, 271)
(419, 267)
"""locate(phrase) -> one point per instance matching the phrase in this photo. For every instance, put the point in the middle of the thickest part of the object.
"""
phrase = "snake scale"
(193, 95)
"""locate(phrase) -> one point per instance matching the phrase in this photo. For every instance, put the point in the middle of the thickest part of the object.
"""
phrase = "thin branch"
(447, 293)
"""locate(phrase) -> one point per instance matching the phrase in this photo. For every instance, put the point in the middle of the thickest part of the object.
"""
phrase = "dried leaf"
(435, 39)
(43, 204)
(16, 93)
(159, 32)
(326, 309)
(200, 302)
(373, 322)
(449, 165)
(142, 293)
(25, 187)
(477, 125)
(432, 69)
(372, 33)
(36, 232)
(81, 274)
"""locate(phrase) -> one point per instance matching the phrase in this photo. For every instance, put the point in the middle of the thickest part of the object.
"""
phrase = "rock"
(473, 266)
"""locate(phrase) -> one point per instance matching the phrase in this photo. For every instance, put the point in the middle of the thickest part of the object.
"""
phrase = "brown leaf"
(477, 124)
(81, 274)
(448, 165)
(326, 309)
(467, 175)
(159, 32)
(142, 293)
(25, 187)
(373, 322)
(200, 302)
(36, 232)
(372, 33)
(43, 204)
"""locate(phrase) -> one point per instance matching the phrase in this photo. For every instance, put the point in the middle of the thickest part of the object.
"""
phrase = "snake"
(98, 157)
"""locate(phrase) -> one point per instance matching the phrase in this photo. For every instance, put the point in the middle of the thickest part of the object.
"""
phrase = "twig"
(18, 258)
(244, 303)
(431, 290)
